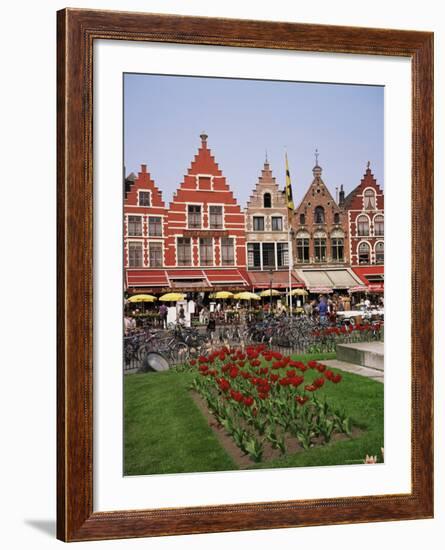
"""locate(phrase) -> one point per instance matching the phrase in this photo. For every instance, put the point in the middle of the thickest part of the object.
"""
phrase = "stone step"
(365, 354)
(374, 374)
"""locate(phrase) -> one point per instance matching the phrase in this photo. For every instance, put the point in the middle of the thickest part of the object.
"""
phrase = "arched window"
(364, 253)
(336, 217)
(319, 214)
(369, 199)
(363, 226)
(379, 226)
(267, 200)
(302, 219)
(379, 253)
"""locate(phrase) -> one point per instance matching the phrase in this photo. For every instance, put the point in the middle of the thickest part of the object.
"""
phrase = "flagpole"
(289, 254)
(290, 212)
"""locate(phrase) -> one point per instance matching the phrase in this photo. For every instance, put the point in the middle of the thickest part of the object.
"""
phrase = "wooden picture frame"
(77, 31)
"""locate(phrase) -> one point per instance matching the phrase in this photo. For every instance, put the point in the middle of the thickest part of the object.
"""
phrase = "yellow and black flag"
(289, 197)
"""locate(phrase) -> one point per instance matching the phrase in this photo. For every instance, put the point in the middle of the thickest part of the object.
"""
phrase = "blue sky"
(164, 115)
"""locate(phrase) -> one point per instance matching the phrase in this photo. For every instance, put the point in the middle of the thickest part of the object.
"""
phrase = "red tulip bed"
(327, 339)
(262, 400)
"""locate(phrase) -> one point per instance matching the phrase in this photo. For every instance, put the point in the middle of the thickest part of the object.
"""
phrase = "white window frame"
(149, 242)
(370, 251)
(139, 200)
(378, 215)
(191, 251)
(142, 243)
(187, 214)
(209, 204)
(127, 224)
(148, 224)
(364, 215)
(213, 252)
(364, 198)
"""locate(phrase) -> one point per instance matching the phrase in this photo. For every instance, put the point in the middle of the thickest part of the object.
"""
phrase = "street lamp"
(270, 288)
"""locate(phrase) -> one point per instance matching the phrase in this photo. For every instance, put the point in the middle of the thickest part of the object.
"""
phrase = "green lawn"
(166, 433)
(164, 430)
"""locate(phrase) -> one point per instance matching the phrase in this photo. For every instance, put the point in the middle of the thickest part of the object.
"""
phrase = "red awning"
(372, 276)
(186, 274)
(146, 278)
(280, 279)
(227, 276)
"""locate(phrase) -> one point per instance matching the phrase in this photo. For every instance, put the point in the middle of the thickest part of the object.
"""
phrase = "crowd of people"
(209, 314)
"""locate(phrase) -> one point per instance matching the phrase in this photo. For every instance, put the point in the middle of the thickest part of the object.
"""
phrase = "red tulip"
(236, 395)
(233, 373)
(224, 384)
(318, 382)
(301, 400)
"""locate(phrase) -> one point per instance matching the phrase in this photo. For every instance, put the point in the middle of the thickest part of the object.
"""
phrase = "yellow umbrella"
(172, 297)
(142, 298)
(270, 292)
(299, 292)
(246, 296)
(222, 295)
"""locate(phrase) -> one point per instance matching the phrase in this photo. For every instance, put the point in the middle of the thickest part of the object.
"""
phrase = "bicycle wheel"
(180, 353)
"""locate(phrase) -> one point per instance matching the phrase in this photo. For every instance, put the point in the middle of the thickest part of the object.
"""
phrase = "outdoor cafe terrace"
(322, 281)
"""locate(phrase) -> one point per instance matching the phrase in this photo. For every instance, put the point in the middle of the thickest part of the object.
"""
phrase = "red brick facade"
(205, 225)
(320, 227)
(144, 223)
(199, 242)
(365, 210)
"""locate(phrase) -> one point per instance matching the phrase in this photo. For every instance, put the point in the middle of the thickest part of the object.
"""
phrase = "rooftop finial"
(203, 137)
(266, 161)
(316, 157)
(368, 165)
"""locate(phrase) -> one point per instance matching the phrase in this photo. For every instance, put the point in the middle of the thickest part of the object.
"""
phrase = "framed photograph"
(245, 259)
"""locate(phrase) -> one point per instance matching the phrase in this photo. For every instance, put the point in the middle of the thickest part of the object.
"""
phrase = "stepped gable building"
(321, 239)
(144, 231)
(205, 244)
(365, 210)
(267, 234)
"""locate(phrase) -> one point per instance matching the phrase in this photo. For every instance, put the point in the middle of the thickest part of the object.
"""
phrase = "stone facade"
(266, 217)
(320, 227)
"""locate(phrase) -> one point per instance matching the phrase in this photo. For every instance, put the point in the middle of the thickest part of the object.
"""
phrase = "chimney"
(336, 195)
(143, 168)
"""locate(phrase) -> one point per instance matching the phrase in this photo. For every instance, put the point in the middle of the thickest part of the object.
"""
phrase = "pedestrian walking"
(163, 310)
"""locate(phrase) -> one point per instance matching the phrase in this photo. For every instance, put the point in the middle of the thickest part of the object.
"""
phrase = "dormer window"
(336, 217)
(267, 200)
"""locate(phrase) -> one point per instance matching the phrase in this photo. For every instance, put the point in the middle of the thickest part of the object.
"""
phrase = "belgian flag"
(289, 197)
